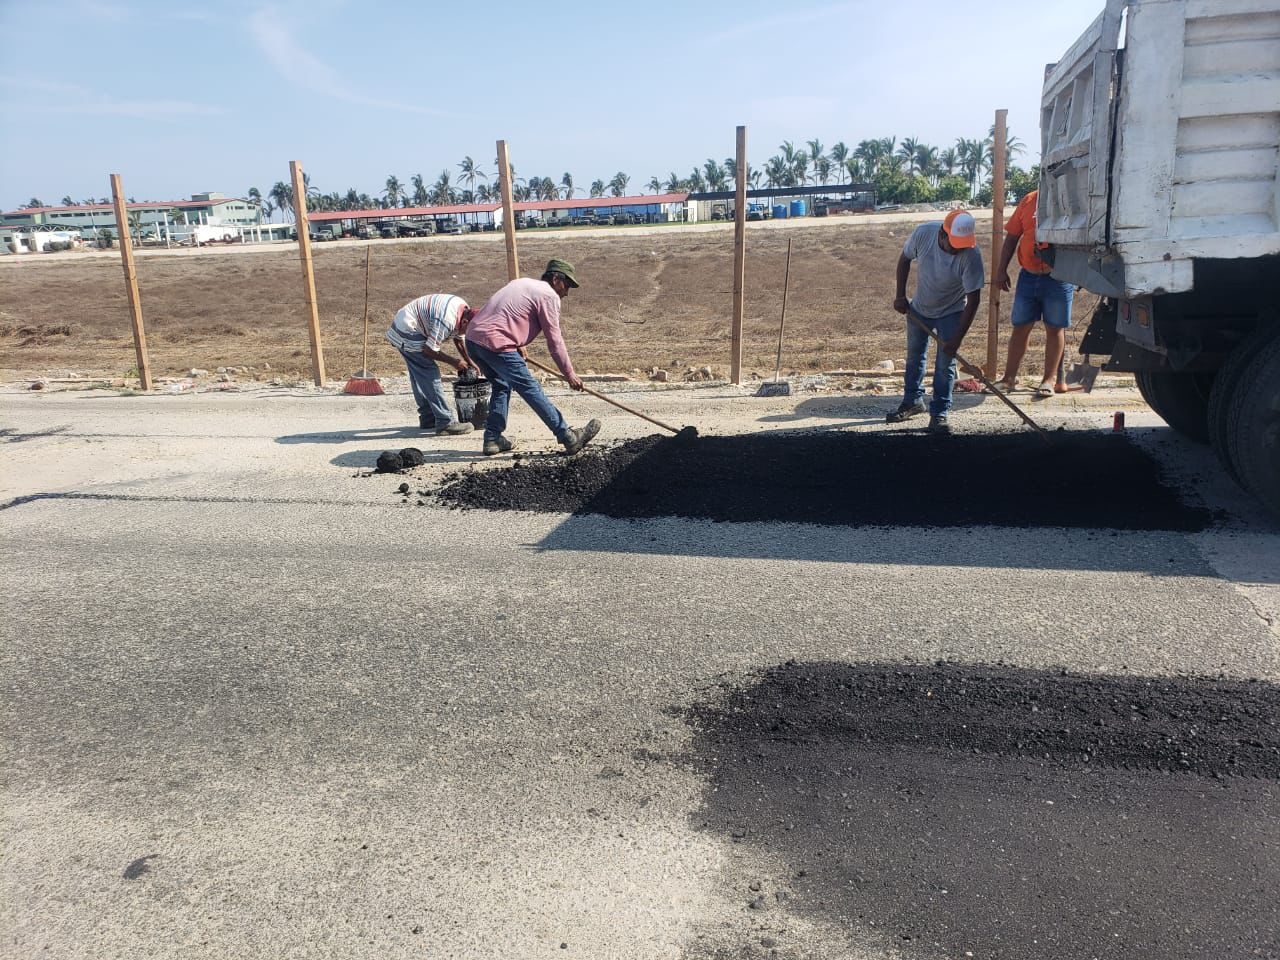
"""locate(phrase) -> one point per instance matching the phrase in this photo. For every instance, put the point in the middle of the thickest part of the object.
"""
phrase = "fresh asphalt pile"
(843, 478)
(1205, 726)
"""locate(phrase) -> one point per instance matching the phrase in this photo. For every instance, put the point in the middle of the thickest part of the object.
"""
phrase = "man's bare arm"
(900, 292)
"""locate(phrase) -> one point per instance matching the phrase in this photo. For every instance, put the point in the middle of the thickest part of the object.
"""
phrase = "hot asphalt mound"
(843, 478)
(1201, 726)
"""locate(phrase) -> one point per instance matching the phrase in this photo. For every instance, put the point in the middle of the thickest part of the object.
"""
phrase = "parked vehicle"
(451, 228)
(389, 231)
(1157, 194)
(367, 231)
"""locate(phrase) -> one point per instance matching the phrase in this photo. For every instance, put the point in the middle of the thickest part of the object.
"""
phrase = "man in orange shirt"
(1039, 297)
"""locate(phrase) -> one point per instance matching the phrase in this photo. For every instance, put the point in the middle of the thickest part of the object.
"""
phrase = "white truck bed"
(1177, 161)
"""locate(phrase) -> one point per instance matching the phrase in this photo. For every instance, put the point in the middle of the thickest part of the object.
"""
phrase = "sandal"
(1002, 386)
(1044, 390)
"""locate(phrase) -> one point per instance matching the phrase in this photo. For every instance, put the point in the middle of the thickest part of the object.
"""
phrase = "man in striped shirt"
(419, 331)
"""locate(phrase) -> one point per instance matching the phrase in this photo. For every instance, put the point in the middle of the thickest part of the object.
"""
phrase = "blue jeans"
(944, 367)
(424, 377)
(505, 372)
(1040, 297)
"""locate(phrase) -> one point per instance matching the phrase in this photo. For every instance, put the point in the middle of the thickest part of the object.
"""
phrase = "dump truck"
(1160, 129)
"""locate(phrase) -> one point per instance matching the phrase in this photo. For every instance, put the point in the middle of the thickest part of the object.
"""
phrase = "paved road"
(256, 706)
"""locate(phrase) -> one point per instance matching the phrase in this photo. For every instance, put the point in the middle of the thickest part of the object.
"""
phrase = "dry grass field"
(646, 300)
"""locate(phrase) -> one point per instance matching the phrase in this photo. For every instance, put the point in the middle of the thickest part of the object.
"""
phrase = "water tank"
(779, 211)
(797, 208)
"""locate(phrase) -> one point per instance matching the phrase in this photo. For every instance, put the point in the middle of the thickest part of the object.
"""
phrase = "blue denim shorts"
(1040, 297)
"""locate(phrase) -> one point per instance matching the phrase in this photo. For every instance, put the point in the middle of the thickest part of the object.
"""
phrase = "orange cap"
(961, 230)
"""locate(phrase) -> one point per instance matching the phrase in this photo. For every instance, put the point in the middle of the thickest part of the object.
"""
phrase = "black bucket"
(471, 398)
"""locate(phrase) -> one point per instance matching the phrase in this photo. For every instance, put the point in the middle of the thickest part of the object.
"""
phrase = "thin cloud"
(781, 22)
(72, 98)
(307, 71)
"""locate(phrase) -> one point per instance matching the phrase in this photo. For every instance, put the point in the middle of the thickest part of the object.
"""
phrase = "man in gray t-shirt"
(949, 282)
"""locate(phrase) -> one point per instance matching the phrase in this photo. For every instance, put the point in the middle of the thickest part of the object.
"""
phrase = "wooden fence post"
(997, 241)
(739, 259)
(508, 210)
(131, 282)
(308, 271)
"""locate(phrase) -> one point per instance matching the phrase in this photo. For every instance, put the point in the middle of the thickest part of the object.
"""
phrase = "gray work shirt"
(942, 279)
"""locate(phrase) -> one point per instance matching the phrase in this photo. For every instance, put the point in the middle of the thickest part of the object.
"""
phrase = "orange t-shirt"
(1023, 226)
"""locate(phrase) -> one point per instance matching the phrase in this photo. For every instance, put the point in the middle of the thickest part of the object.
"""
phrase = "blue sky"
(180, 97)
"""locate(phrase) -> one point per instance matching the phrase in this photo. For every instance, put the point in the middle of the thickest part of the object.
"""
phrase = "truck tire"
(1224, 385)
(1253, 426)
(1181, 400)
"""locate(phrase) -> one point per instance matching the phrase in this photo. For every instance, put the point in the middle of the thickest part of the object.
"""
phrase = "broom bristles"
(363, 387)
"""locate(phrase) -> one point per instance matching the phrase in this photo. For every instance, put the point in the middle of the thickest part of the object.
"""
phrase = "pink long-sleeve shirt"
(515, 315)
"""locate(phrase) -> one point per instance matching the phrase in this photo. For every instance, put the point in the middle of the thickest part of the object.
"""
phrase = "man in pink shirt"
(496, 339)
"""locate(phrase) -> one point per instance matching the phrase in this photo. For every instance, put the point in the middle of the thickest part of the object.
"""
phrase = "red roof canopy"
(595, 202)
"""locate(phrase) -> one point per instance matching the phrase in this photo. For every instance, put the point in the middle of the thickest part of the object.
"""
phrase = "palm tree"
(1012, 145)
(597, 188)
(822, 170)
(268, 210)
(255, 196)
(800, 168)
(674, 184)
(442, 192)
(420, 196)
(839, 156)
(927, 161)
(816, 152)
(471, 173)
(777, 172)
(695, 183)
(32, 204)
(972, 156)
(655, 185)
(394, 190)
(716, 177)
(947, 161)
(907, 152)
(618, 185)
(548, 190)
(282, 195)
(566, 182)
(753, 178)
(67, 201)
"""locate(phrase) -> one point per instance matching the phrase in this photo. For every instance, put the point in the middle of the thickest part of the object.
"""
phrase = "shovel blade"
(1083, 374)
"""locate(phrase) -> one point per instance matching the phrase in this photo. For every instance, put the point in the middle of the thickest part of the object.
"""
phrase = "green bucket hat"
(564, 268)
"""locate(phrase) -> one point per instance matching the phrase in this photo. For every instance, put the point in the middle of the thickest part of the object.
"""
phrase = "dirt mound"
(1081, 479)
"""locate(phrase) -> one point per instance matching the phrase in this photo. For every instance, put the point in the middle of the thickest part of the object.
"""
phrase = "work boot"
(500, 445)
(579, 437)
(905, 412)
(938, 424)
(455, 429)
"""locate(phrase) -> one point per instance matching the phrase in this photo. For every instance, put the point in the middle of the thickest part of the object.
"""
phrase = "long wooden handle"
(601, 396)
(981, 376)
(364, 366)
(782, 324)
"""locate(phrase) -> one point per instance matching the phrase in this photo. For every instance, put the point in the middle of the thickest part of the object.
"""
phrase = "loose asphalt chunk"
(842, 478)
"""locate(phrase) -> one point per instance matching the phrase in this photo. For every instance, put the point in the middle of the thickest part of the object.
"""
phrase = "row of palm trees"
(907, 168)
(900, 169)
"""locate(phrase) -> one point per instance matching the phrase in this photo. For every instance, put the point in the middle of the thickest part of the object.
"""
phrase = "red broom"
(364, 384)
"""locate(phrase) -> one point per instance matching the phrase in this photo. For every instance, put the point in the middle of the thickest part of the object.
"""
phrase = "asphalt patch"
(1210, 727)
(843, 478)
(945, 810)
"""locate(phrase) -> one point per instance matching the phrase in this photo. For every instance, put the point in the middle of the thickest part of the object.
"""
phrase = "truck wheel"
(1181, 400)
(1224, 386)
(1253, 426)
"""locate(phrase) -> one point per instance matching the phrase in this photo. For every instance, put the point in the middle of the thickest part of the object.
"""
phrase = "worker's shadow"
(856, 411)
(381, 434)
